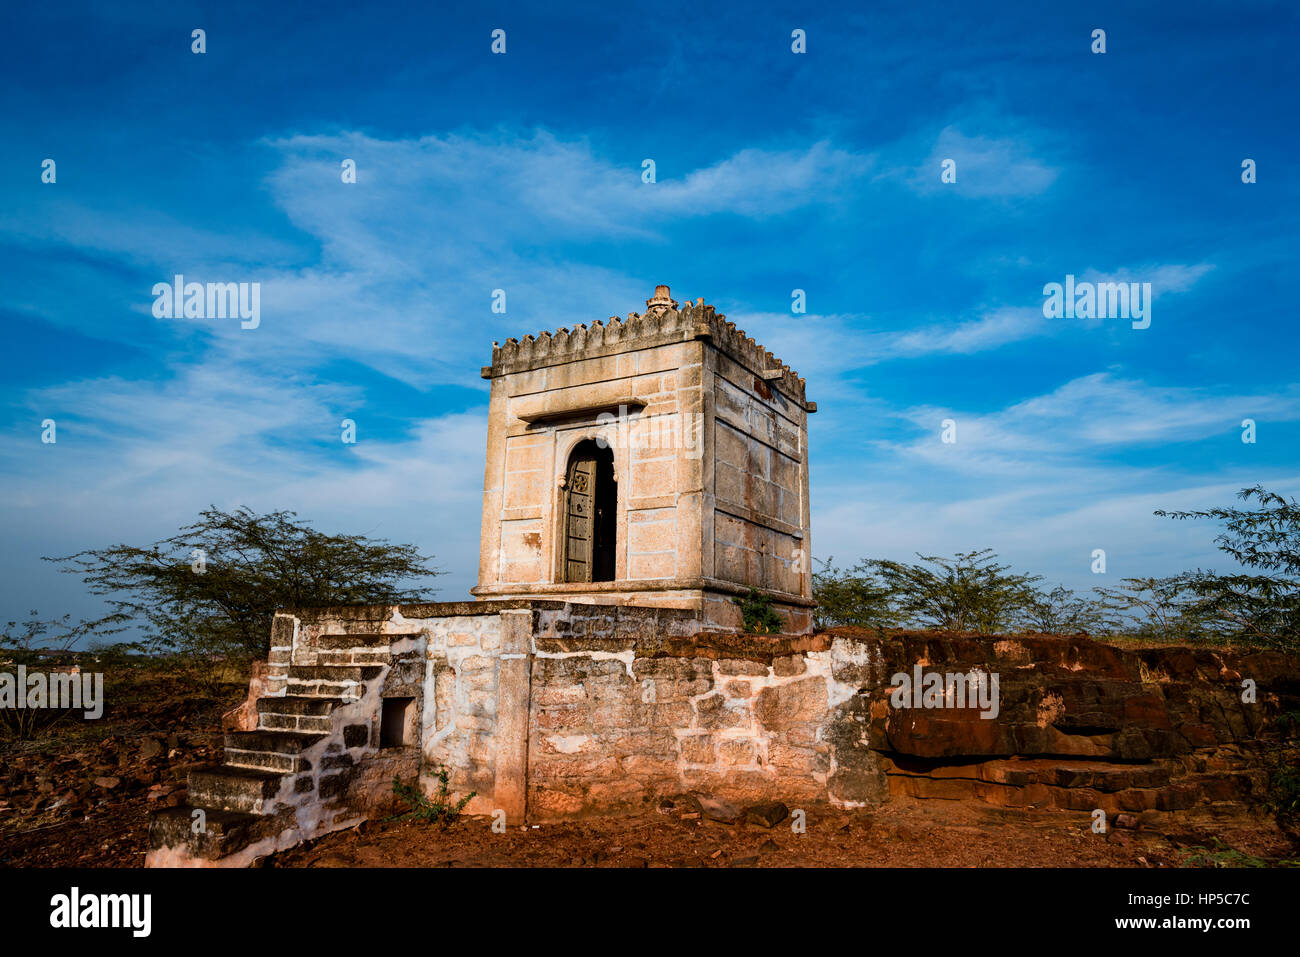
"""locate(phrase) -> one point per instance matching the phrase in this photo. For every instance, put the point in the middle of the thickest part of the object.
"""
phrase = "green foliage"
(973, 592)
(1260, 605)
(853, 597)
(1221, 855)
(1284, 790)
(437, 810)
(212, 589)
(1284, 776)
(1288, 722)
(758, 615)
(1155, 609)
(1062, 612)
(968, 592)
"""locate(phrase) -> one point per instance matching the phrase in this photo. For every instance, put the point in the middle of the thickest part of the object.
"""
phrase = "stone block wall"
(708, 434)
(459, 721)
(759, 525)
(552, 709)
(657, 538)
(548, 710)
(616, 723)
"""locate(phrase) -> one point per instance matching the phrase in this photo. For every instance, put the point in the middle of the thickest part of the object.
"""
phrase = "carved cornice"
(662, 322)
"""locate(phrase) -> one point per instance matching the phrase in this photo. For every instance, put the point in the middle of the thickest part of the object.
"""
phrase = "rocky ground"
(900, 834)
(88, 806)
(80, 794)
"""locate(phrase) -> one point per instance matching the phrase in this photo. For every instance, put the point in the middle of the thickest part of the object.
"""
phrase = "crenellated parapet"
(662, 322)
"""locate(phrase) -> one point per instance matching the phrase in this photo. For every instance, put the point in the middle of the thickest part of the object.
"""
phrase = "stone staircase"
(288, 779)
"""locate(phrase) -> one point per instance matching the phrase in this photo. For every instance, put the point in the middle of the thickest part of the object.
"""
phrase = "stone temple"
(658, 460)
(641, 474)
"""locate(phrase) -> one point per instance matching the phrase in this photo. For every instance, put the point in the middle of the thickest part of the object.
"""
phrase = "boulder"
(766, 814)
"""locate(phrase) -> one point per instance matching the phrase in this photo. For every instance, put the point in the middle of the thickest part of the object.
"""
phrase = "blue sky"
(775, 171)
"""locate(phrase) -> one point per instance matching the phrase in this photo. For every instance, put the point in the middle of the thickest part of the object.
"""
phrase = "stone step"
(266, 761)
(223, 833)
(344, 657)
(330, 681)
(279, 742)
(228, 788)
(297, 713)
(308, 723)
(336, 673)
(298, 705)
(349, 692)
(337, 642)
(270, 750)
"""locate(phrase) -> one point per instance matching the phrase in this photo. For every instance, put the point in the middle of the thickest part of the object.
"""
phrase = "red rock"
(714, 809)
(767, 814)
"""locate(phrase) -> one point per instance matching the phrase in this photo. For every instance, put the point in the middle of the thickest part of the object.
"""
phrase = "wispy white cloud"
(515, 182)
(1086, 417)
(1040, 523)
(826, 346)
(160, 451)
(399, 284)
(408, 257)
(996, 328)
(986, 167)
(1048, 479)
(1165, 278)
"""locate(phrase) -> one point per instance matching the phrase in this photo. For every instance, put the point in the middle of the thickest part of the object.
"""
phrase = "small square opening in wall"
(395, 722)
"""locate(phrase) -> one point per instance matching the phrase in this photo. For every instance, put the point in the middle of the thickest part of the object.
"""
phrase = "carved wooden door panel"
(579, 494)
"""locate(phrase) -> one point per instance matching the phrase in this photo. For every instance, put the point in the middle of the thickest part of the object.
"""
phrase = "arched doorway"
(590, 514)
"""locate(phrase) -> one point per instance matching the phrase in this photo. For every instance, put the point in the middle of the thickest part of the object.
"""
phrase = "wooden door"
(580, 496)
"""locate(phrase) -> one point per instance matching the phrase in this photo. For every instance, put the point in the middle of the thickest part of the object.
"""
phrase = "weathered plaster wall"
(1080, 725)
(617, 722)
(549, 710)
(459, 720)
(570, 708)
(760, 482)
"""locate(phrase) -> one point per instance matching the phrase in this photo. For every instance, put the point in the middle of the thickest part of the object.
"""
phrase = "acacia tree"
(1155, 608)
(968, 592)
(213, 587)
(853, 596)
(1262, 604)
(971, 591)
(1062, 612)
